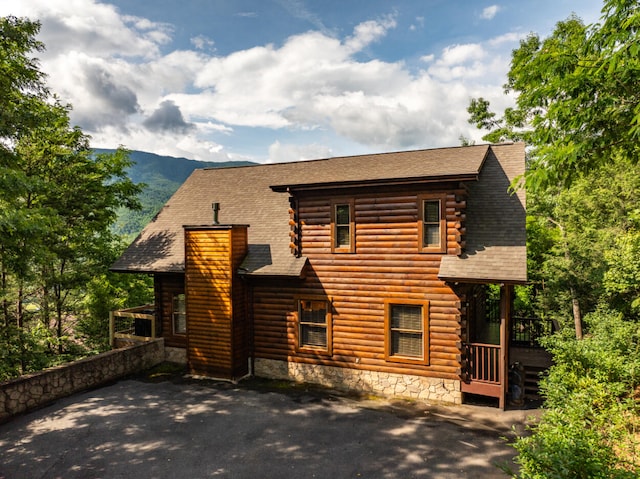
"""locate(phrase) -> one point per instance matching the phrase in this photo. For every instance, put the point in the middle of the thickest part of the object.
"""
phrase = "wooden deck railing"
(483, 362)
(527, 331)
(481, 369)
(133, 323)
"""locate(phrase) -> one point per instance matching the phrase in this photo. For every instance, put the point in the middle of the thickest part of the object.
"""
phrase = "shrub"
(588, 429)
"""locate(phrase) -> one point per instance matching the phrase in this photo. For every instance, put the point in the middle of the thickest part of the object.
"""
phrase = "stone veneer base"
(175, 355)
(357, 380)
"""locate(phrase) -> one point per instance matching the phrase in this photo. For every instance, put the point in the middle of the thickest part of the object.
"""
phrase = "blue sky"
(283, 80)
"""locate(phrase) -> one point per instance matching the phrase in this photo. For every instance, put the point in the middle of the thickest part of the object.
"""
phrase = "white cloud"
(457, 54)
(368, 32)
(511, 37)
(280, 153)
(112, 69)
(201, 42)
(489, 12)
(463, 62)
(91, 26)
(181, 145)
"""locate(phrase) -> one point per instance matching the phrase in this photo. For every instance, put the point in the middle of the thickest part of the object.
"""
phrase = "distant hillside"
(163, 175)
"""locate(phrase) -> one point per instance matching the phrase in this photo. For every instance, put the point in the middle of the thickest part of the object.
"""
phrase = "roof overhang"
(292, 188)
(497, 264)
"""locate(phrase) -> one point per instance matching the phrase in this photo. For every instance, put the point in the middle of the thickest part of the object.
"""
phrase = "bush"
(588, 429)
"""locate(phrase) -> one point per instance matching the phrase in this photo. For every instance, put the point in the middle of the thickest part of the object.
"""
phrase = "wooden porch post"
(506, 292)
(112, 327)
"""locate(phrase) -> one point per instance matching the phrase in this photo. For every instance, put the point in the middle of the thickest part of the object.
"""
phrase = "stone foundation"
(371, 382)
(175, 355)
(37, 389)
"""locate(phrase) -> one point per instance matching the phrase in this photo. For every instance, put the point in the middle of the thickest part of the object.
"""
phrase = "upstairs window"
(407, 331)
(432, 226)
(314, 324)
(179, 314)
(342, 227)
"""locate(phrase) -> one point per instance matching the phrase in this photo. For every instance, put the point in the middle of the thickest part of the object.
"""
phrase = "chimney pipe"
(216, 209)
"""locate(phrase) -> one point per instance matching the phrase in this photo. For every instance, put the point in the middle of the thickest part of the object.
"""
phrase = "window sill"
(407, 360)
(315, 351)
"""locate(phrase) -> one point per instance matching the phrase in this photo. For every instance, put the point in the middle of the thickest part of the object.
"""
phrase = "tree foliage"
(57, 203)
(590, 424)
(577, 106)
(577, 101)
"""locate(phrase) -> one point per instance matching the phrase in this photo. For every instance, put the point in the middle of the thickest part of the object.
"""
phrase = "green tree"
(590, 421)
(57, 203)
(578, 110)
(577, 101)
(573, 241)
(82, 194)
(577, 107)
(622, 278)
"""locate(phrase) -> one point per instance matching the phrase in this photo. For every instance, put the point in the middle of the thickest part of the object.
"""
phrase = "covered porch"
(501, 354)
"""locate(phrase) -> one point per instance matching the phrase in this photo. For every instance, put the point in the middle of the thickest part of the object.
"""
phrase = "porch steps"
(531, 380)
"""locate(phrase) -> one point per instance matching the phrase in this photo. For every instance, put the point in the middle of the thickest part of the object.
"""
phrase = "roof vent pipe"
(216, 209)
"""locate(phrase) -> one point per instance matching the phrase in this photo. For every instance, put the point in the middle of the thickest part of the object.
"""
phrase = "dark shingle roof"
(246, 196)
(496, 223)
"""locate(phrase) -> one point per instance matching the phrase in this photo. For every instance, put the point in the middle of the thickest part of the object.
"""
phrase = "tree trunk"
(575, 305)
(58, 296)
(577, 316)
(5, 301)
(20, 323)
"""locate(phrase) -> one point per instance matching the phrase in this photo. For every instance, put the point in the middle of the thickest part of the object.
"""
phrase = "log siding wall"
(165, 287)
(386, 265)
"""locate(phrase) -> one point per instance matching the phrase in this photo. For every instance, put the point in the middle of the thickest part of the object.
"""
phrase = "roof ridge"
(313, 160)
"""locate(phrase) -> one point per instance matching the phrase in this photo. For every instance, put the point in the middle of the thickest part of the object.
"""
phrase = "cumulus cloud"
(368, 32)
(188, 145)
(92, 26)
(167, 118)
(489, 12)
(119, 98)
(114, 68)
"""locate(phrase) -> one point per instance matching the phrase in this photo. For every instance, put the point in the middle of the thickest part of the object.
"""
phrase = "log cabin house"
(364, 273)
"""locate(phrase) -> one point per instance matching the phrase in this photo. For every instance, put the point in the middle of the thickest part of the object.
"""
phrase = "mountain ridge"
(163, 175)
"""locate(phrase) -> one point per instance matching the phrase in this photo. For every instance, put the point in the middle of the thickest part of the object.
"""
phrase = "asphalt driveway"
(141, 428)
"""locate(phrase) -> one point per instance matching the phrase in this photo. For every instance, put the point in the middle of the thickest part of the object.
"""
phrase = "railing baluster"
(484, 361)
(527, 331)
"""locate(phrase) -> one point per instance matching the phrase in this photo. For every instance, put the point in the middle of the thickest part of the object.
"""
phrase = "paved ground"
(174, 428)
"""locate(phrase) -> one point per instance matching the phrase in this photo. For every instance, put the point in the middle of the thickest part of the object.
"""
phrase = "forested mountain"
(163, 175)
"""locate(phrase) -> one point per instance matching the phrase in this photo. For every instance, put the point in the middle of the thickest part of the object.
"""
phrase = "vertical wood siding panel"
(208, 289)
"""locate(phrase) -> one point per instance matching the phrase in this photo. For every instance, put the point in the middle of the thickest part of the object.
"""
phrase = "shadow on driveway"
(140, 428)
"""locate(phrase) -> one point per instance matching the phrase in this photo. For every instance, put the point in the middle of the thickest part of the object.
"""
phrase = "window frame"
(175, 314)
(351, 247)
(422, 200)
(389, 354)
(328, 325)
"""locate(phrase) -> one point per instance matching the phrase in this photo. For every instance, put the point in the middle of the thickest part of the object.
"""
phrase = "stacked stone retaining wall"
(35, 390)
(363, 381)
